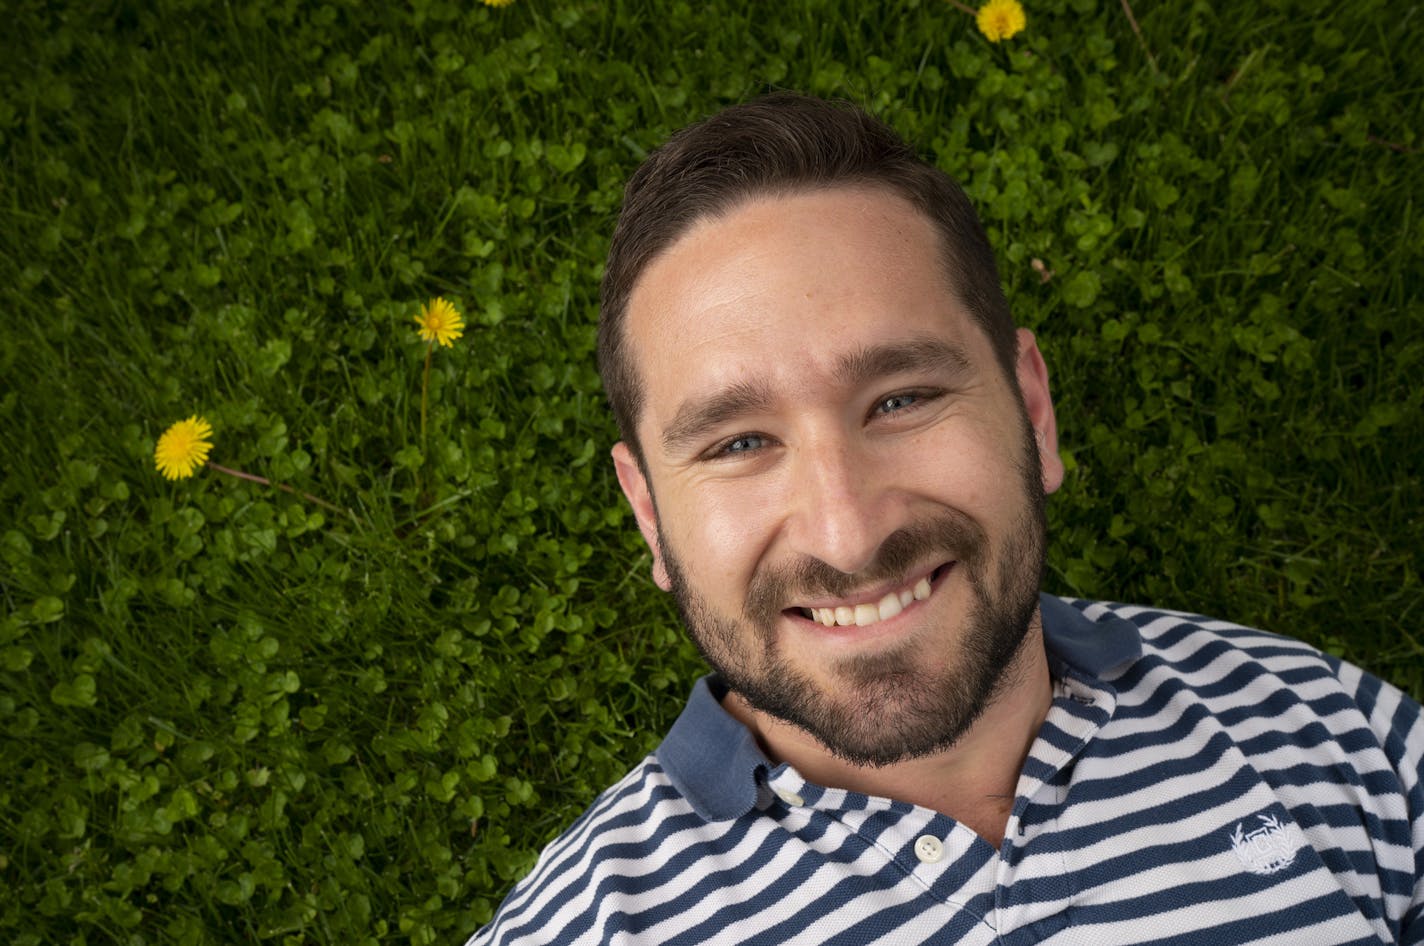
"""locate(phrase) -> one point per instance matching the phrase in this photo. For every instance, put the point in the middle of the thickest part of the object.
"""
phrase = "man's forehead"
(743, 241)
(791, 288)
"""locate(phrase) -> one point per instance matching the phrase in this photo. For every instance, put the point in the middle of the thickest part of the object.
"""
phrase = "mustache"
(950, 535)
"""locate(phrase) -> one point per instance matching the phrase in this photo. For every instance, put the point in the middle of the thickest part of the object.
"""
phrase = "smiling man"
(843, 488)
(838, 449)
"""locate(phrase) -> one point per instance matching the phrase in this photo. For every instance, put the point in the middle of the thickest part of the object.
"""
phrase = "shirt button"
(928, 849)
(791, 798)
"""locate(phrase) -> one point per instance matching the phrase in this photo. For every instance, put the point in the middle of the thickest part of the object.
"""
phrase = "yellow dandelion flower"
(440, 322)
(1000, 19)
(496, 3)
(183, 448)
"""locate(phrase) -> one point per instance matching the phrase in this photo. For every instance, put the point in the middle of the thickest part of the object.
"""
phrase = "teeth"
(863, 614)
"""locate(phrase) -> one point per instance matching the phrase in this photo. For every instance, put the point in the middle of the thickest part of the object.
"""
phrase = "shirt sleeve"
(1398, 723)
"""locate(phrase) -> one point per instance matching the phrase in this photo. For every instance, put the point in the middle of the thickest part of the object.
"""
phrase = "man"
(837, 447)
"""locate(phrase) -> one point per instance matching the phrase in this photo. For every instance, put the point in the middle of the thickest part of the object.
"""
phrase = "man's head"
(841, 473)
(782, 143)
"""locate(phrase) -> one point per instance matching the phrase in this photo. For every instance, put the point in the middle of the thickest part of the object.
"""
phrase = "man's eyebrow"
(695, 418)
(925, 353)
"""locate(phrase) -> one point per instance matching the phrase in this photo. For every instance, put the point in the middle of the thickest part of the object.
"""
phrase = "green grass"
(231, 715)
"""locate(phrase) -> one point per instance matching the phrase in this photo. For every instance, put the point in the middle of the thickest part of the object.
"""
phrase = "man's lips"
(873, 605)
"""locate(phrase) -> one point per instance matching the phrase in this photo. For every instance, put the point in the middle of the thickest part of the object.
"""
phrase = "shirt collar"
(1087, 637)
(715, 762)
(711, 758)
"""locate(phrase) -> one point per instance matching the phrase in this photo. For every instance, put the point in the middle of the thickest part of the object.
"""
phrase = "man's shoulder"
(1243, 674)
(1187, 640)
(608, 852)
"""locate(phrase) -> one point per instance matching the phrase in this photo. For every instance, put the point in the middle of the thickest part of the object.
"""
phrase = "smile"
(874, 611)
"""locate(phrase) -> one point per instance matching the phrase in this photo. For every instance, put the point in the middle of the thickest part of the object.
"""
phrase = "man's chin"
(892, 704)
(873, 716)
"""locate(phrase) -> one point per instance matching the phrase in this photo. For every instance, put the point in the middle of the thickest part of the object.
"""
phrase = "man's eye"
(896, 402)
(745, 443)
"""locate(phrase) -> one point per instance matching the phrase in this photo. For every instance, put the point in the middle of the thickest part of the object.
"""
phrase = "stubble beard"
(900, 703)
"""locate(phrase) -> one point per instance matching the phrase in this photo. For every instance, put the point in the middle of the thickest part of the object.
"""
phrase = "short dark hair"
(782, 143)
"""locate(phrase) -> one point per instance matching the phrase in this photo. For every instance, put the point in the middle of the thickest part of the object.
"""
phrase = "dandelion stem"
(424, 395)
(252, 477)
(424, 398)
(1132, 20)
(964, 7)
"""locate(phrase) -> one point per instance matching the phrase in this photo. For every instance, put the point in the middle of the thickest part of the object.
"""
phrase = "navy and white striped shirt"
(1195, 782)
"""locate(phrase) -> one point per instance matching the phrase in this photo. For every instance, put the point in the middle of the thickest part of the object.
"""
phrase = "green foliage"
(230, 714)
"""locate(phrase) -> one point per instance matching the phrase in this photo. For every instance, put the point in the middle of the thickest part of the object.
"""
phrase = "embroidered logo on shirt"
(1270, 848)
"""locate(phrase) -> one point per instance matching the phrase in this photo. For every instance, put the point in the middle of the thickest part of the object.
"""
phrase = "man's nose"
(841, 511)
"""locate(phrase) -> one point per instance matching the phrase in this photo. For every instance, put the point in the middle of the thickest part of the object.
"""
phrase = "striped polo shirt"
(1195, 782)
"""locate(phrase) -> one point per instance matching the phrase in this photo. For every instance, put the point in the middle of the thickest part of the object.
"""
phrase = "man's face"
(849, 491)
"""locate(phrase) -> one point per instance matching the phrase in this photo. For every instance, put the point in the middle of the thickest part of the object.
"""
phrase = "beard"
(899, 703)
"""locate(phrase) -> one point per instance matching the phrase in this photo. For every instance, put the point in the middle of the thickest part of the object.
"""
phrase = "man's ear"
(640, 497)
(1033, 388)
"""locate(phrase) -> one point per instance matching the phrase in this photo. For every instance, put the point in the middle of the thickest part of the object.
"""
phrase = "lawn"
(352, 710)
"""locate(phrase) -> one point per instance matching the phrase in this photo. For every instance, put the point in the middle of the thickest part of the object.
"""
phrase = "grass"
(229, 714)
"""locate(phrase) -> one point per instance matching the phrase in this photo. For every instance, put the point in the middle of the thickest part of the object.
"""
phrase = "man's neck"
(973, 782)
